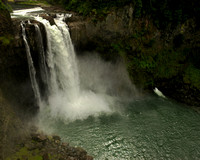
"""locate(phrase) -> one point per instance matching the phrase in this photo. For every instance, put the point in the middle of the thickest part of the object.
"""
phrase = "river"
(147, 128)
(92, 104)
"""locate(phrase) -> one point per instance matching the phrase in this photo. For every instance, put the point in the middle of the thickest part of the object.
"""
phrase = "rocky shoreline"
(86, 35)
(47, 147)
(17, 140)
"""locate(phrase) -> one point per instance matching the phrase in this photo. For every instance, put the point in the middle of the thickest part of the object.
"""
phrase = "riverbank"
(47, 147)
(87, 34)
(18, 139)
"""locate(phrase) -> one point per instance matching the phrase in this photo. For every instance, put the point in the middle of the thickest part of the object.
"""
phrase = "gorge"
(88, 98)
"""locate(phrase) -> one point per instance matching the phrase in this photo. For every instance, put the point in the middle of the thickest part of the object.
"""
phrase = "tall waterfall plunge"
(146, 128)
(74, 88)
(32, 71)
(59, 71)
(60, 59)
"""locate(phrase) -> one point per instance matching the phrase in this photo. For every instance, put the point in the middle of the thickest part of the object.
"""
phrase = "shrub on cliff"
(2, 6)
(162, 12)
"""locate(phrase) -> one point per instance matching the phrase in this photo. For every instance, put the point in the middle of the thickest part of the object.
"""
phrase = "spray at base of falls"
(149, 128)
(71, 97)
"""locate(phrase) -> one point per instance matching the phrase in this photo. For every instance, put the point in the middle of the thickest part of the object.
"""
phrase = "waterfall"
(61, 59)
(32, 70)
(42, 57)
(58, 65)
(59, 72)
(65, 98)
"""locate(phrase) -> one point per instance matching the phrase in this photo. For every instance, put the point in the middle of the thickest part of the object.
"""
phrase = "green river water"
(147, 128)
(144, 127)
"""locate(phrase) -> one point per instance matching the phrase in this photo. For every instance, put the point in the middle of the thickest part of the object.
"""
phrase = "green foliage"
(149, 62)
(163, 12)
(5, 6)
(192, 76)
(178, 40)
(2, 6)
(33, 154)
(24, 152)
(171, 12)
(5, 40)
(121, 48)
(97, 8)
(141, 54)
(32, 2)
(138, 8)
(169, 63)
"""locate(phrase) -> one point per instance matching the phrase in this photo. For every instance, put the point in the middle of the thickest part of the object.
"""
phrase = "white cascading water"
(32, 70)
(42, 57)
(69, 97)
(61, 59)
(66, 100)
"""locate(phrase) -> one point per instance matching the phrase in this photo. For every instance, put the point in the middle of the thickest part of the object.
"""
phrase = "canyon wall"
(164, 58)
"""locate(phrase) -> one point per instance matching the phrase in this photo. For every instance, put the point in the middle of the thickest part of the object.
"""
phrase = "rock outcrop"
(17, 139)
(167, 59)
(15, 87)
(46, 147)
(91, 31)
(14, 79)
(12, 129)
(154, 57)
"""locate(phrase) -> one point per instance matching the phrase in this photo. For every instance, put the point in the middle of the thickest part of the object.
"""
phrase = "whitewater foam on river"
(25, 12)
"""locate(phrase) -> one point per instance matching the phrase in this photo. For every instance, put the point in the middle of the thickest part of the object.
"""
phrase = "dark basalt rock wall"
(159, 58)
(12, 129)
(165, 59)
(14, 80)
(10, 123)
(19, 140)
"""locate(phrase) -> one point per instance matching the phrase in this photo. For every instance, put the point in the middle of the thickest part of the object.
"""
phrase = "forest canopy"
(162, 11)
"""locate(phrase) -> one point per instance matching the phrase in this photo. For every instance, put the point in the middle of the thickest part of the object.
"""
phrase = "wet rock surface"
(145, 52)
(48, 147)
(17, 140)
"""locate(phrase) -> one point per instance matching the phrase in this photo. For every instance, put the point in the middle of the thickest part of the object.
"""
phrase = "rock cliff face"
(12, 75)
(90, 31)
(17, 139)
(11, 128)
(14, 79)
(165, 59)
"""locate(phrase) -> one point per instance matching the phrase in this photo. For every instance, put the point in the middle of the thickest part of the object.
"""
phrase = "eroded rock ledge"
(40, 146)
